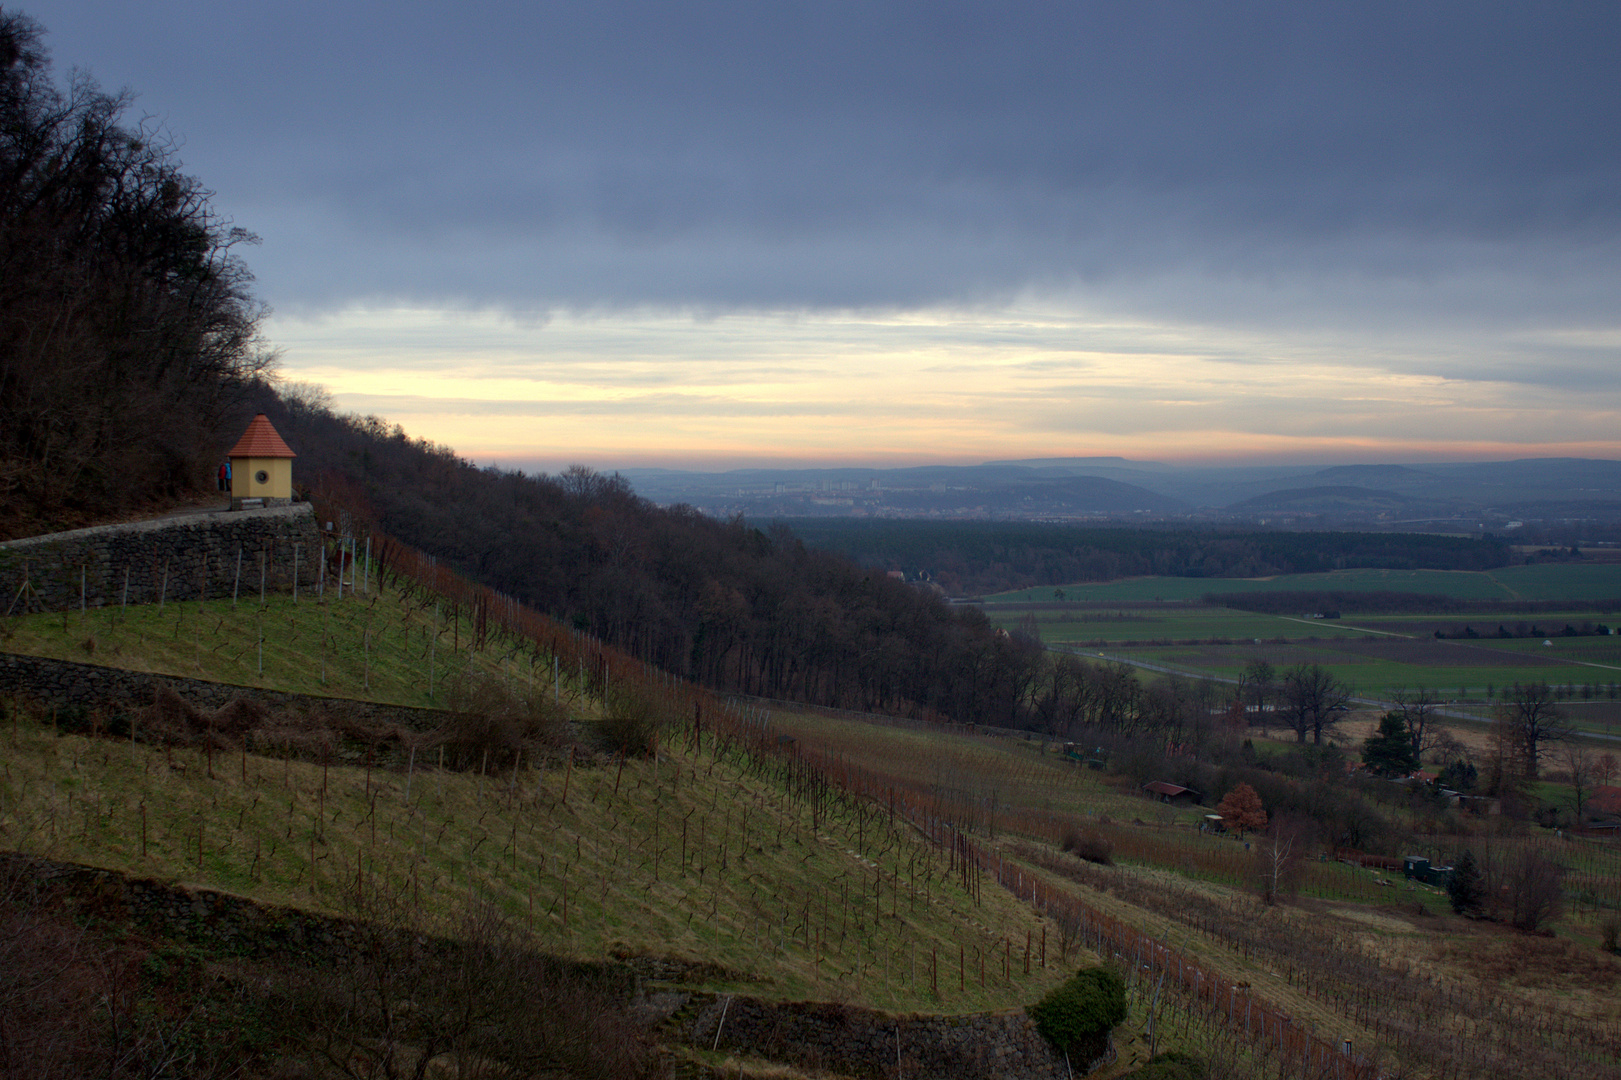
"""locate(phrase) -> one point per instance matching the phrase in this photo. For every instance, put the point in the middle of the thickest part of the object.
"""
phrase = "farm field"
(1380, 668)
(1367, 958)
(1377, 655)
(1551, 581)
(1060, 624)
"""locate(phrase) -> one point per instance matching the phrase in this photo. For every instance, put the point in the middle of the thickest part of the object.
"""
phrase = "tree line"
(977, 557)
(127, 329)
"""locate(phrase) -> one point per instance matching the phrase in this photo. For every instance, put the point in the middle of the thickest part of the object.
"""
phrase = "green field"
(1554, 581)
(1142, 623)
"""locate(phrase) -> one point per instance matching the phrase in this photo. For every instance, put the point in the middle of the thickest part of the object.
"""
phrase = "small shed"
(1418, 868)
(261, 467)
(1165, 791)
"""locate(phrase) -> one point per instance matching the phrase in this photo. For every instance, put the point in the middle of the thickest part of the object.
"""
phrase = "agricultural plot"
(1379, 668)
(1164, 624)
(1361, 954)
(1561, 581)
(1579, 582)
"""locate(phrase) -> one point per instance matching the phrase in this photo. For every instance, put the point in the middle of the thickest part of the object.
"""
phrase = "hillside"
(610, 812)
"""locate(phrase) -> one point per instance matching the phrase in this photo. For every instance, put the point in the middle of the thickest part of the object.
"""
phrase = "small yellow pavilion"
(261, 467)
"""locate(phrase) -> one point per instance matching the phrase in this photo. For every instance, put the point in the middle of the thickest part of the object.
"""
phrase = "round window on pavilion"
(261, 477)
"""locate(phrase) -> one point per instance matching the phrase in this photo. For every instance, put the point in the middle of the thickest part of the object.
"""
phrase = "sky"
(710, 235)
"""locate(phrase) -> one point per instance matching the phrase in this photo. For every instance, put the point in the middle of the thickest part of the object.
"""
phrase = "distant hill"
(1464, 497)
(1324, 500)
(1374, 475)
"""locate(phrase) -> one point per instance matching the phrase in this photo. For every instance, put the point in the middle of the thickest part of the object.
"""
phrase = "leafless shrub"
(632, 718)
(490, 724)
(1092, 846)
(1533, 883)
(401, 1003)
(174, 719)
(73, 1003)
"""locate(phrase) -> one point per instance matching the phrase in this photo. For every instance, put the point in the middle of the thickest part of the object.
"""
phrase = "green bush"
(1081, 1011)
(1171, 1065)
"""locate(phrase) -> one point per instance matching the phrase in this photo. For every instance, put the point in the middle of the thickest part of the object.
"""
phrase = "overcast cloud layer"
(1261, 202)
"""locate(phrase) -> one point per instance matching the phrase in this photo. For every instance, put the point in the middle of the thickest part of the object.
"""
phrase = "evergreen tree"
(1389, 751)
(1466, 890)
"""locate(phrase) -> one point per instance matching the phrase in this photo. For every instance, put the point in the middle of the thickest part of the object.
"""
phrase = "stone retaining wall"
(843, 1039)
(854, 1041)
(66, 684)
(177, 558)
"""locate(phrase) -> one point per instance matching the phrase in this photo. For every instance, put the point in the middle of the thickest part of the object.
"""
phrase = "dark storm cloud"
(1184, 160)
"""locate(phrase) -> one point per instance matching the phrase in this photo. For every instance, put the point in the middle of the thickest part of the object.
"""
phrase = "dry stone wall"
(66, 684)
(861, 1042)
(178, 558)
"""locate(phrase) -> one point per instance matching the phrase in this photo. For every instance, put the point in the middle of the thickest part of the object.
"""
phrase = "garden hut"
(261, 467)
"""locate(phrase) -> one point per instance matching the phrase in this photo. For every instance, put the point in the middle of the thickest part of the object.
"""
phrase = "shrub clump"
(1092, 846)
(1171, 1065)
(1078, 1016)
(632, 718)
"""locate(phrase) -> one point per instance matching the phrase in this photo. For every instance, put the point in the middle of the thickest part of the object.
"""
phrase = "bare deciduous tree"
(1417, 709)
(1314, 701)
(1279, 859)
(1535, 723)
(1534, 885)
(1582, 764)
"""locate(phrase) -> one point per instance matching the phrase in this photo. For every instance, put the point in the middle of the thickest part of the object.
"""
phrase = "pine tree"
(1465, 889)
(1389, 751)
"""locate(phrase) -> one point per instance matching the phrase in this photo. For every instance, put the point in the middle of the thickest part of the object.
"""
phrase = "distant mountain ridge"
(1463, 496)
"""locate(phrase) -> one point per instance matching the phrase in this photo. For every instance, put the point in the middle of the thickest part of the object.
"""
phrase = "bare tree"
(1582, 765)
(1604, 769)
(1535, 723)
(1417, 709)
(1257, 684)
(1279, 859)
(1534, 884)
(1314, 701)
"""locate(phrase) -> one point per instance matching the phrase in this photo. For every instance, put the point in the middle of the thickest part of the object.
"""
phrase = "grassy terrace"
(386, 645)
(699, 856)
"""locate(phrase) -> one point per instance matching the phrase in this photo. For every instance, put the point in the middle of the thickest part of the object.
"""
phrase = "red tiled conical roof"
(261, 440)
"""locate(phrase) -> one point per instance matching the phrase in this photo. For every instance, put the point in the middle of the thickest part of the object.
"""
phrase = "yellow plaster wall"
(245, 483)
